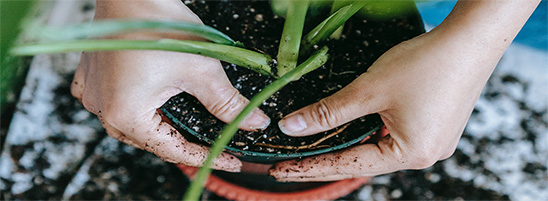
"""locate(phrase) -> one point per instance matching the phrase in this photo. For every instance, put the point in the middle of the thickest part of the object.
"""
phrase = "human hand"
(125, 88)
(424, 90)
(424, 107)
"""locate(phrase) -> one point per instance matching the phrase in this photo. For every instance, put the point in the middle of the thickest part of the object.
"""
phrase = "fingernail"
(292, 125)
(257, 120)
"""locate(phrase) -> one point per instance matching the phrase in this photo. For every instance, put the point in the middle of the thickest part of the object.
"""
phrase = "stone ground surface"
(55, 149)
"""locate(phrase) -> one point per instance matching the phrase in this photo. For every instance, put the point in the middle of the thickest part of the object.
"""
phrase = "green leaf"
(242, 57)
(288, 53)
(336, 5)
(279, 7)
(110, 27)
(12, 14)
(383, 10)
(329, 25)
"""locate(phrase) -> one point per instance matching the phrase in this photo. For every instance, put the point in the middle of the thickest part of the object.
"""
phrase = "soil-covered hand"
(424, 90)
(126, 88)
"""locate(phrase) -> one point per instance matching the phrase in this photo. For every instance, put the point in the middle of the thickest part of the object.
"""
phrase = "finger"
(355, 100)
(451, 148)
(78, 81)
(365, 160)
(117, 134)
(225, 102)
(78, 85)
(167, 143)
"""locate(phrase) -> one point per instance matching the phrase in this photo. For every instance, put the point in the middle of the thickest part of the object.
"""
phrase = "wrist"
(486, 25)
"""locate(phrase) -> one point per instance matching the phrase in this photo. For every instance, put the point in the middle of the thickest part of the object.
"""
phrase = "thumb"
(225, 102)
(211, 86)
(349, 103)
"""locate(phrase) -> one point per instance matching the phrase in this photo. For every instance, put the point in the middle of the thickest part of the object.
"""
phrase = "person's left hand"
(424, 109)
(424, 90)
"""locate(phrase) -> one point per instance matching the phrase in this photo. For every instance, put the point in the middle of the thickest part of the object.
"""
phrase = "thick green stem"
(335, 6)
(279, 7)
(105, 28)
(239, 56)
(196, 187)
(288, 53)
(329, 25)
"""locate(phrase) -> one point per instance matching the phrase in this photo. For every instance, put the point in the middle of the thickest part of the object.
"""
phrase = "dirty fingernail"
(257, 120)
(292, 125)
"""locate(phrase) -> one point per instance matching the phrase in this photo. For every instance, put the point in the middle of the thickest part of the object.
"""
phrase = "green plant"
(12, 14)
(221, 47)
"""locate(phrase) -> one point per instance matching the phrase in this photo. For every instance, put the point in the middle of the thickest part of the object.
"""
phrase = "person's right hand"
(125, 88)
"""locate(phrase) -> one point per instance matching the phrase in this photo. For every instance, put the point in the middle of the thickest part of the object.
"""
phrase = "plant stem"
(104, 28)
(239, 56)
(335, 6)
(329, 25)
(196, 187)
(288, 52)
(279, 7)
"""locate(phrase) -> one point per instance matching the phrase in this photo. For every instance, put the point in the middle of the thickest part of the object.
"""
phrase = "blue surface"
(533, 34)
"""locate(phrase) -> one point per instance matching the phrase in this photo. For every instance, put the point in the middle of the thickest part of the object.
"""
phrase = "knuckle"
(447, 155)
(88, 103)
(111, 117)
(119, 116)
(406, 45)
(77, 89)
(422, 158)
(227, 104)
(324, 114)
(76, 92)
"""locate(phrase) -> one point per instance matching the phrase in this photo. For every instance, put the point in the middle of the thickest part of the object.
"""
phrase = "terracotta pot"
(316, 191)
(254, 183)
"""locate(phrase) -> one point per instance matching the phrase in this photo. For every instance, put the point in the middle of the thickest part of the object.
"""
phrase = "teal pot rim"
(261, 157)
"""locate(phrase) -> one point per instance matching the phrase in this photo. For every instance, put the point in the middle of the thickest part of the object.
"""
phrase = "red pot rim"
(232, 191)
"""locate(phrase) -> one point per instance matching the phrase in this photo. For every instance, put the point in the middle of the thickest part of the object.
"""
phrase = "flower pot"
(225, 187)
(254, 184)
(254, 24)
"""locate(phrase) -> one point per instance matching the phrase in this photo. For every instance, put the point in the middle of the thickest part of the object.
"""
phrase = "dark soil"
(254, 24)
